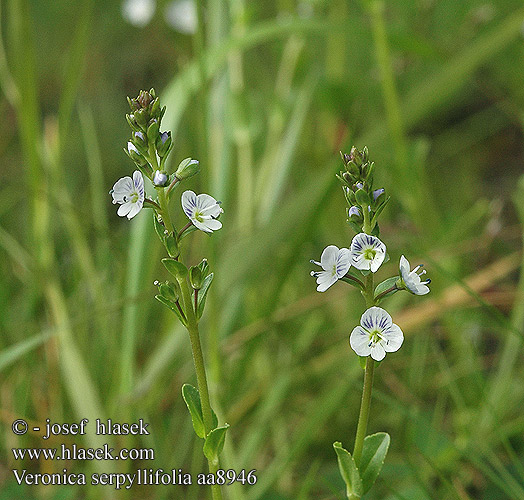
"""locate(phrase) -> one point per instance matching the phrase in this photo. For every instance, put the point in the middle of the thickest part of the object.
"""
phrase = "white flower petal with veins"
(376, 335)
(202, 210)
(411, 279)
(367, 252)
(335, 263)
(129, 194)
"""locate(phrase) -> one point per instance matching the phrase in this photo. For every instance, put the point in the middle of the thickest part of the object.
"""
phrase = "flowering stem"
(196, 347)
(172, 185)
(348, 278)
(368, 374)
(162, 200)
(384, 293)
(367, 224)
(198, 359)
(185, 228)
(364, 410)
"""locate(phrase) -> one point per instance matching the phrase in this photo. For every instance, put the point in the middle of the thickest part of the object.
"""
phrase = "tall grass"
(265, 95)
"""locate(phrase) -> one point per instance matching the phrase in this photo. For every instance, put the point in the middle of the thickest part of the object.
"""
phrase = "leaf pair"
(359, 480)
(214, 440)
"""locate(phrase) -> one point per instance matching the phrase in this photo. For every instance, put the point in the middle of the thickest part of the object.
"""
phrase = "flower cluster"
(377, 334)
(149, 148)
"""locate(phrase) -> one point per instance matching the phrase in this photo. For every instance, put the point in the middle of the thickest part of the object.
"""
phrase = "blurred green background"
(265, 94)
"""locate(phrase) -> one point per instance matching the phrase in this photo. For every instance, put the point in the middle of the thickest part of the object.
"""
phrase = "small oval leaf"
(214, 443)
(373, 454)
(348, 471)
(177, 269)
(192, 399)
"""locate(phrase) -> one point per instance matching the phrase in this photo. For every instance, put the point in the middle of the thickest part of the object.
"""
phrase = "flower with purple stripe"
(376, 335)
(202, 210)
(367, 252)
(335, 263)
(410, 280)
(129, 193)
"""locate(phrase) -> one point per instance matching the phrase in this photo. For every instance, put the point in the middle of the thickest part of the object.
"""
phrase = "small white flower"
(335, 264)
(367, 252)
(376, 335)
(202, 209)
(129, 193)
(182, 16)
(411, 279)
(138, 12)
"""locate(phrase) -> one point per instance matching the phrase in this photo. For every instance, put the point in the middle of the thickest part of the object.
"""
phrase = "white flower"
(182, 16)
(335, 264)
(202, 209)
(129, 193)
(138, 12)
(367, 252)
(376, 335)
(411, 280)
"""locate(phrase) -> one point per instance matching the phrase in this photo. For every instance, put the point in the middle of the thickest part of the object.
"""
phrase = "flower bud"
(187, 168)
(163, 143)
(160, 178)
(134, 154)
(195, 277)
(362, 197)
(378, 193)
(139, 138)
(169, 291)
(152, 130)
(354, 211)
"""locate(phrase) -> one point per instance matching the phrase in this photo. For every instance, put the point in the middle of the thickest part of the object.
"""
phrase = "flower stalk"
(149, 148)
(376, 335)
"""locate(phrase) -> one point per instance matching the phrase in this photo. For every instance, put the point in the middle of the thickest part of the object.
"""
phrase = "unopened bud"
(187, 168)
(160, 178)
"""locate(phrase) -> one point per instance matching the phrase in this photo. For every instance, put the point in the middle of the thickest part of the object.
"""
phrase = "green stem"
(368, 374)
(367, 223)
(364, 410)
(196, 347)
(198, 359)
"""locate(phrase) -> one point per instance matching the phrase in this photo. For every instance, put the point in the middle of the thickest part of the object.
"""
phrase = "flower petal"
(377, 352)
(189, 203)
(135, 208)
(377, 261)
(343, 262)
(124, 209)
(393, 337)
(376, 318)
(324, 280)
(329, 257)
(404, 266)
(205, 201)
(122, 187)
(359, 341)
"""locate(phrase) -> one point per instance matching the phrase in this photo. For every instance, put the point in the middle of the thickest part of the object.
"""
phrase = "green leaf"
(373, 454)
(348, 470)
(192, 399)
(378, 211)
(173, 307)
(386, 285)
(159, 228)
(177, 269)
(202, 294)
(171, 245)
(215, 442)
(194, 405)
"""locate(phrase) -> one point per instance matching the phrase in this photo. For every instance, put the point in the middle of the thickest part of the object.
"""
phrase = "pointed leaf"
(386, 285)
(215, 442)
(202, 294)
(192, 399)
(348, 470)
(171, 306)
(373, 454)
(177, 269)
